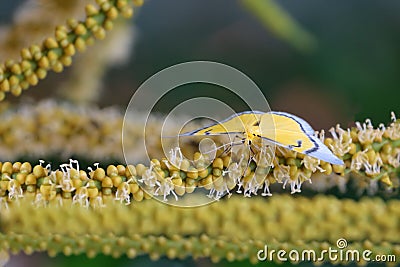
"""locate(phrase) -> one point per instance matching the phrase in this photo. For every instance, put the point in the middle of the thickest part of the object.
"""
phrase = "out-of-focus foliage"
(280, 23)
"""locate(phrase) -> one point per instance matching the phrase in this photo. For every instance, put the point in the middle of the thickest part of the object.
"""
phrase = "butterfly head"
(252, 134)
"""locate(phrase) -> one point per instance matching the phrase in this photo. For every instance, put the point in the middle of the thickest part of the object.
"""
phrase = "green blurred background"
(353, 72)
(349, 71)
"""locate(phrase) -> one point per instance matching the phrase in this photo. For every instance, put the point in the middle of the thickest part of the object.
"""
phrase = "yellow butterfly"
(280, 128)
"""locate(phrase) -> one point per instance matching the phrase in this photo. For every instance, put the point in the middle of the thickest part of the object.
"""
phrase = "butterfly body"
(280, 128)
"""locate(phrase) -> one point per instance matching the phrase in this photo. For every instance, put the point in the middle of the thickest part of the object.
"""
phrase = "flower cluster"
(46, 128)
(83, 83)
(230, 229)
(371, 155)
(33, 20)
(56, 52)
(368, 151)
(175, 177)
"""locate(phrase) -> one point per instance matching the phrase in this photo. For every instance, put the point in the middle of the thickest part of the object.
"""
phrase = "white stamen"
(123, 195)
(266, 189)
(15, 191)
(393, 116)
(166, 188)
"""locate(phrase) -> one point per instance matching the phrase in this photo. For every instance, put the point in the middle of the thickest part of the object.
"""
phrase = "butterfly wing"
(294, 133)
(235, 124)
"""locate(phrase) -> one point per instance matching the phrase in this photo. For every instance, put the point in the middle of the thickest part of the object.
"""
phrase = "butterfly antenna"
(214, 149)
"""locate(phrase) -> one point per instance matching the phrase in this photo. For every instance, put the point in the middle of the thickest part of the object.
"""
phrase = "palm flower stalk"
(371, 155)
(56, 52)
(230, 229)
(33, 20)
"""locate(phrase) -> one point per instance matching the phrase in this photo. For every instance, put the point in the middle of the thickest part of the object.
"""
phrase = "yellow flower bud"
(16, 69)
(26, 168)
(30, 179)
(66, 60)
(93, 192)
(91, 10)
(98, 174)
(20, 177)
(5, 86)
(138, 196)
(14, 81)
(50, 43)
(112, 13)
(52, 56)
(16, 166)
(80, 29)
(16, 90)
(41, 73)
(100, 33)
(44, 62)
(108, 25)
(26, 54)
(134, 187)
(39, 171)
(218, 163)
(7, 168)
(112, 171)
(58, 67)
(117, 180)
(140, 169)
(130, 171)
(80, 44)
(60, 35)
(121, 170)
(105, 6)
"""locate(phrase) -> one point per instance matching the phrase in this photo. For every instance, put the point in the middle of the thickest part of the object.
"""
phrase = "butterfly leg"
(247, 165)
(227, 149)
(299, 143)
(247, 186)
(252, 151)
(230, 145)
